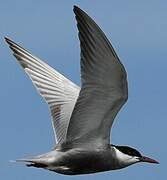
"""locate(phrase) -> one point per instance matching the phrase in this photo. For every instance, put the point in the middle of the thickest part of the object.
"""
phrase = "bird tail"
(31, 162)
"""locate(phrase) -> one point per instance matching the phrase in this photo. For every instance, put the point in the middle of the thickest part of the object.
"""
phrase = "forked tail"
(32, 162)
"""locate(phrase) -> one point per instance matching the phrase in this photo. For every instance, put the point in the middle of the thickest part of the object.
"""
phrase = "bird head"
(127, 156)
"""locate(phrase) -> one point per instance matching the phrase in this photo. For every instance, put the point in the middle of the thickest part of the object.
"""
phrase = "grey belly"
(83, 162)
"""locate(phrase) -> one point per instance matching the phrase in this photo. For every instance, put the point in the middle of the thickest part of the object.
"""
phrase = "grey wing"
(104, 85)
(59, 92)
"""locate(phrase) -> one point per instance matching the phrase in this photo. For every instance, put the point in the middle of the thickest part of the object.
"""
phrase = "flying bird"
(82, 117)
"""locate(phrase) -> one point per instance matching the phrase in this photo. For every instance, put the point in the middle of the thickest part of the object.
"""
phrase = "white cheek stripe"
(124, 158)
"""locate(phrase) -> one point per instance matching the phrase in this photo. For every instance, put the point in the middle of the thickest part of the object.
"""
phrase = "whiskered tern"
(82, 117)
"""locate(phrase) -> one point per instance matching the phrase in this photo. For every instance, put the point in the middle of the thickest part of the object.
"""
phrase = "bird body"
(75, 161)
(82, 117)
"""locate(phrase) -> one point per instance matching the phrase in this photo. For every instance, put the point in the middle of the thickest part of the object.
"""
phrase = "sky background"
(138, 31)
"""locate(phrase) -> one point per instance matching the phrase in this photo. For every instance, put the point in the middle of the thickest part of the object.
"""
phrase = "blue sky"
(138, 31)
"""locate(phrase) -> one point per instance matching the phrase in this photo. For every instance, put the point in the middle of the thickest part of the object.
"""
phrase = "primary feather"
(59, 92)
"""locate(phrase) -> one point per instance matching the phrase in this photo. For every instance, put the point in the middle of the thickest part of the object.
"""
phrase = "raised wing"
(59, 92)
(104, 86)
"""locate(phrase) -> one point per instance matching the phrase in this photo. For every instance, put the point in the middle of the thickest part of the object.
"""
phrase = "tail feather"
(31, 162)
(37, 165)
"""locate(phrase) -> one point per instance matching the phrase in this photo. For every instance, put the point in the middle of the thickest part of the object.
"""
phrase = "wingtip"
(79, 12)
(8, 40)
(76, 9)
